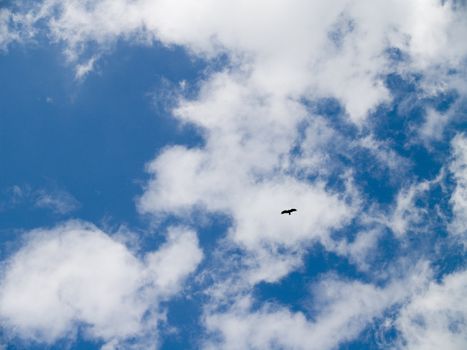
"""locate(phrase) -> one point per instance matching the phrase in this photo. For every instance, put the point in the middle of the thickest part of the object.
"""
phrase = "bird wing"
(291, 210)
(284, 212)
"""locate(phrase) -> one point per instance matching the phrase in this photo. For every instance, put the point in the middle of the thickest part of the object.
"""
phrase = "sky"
(148, 147)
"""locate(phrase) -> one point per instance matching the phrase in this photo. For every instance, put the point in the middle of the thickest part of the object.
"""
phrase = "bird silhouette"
(288, 211)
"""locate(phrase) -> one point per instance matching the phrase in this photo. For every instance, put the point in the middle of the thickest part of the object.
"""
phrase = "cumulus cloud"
(75, 275)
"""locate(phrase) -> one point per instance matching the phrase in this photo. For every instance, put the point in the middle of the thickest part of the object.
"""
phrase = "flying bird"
(288, 211)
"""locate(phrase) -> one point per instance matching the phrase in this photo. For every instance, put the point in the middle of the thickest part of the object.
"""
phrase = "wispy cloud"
(57, 200)
(342, 310)
(435, 317)
(458, 167)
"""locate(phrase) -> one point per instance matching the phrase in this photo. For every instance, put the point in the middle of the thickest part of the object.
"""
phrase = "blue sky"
(147, 149)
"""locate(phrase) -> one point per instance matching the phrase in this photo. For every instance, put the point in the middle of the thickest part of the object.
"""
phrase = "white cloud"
(76, 274)
(406, 212)
(15, 195)
(433, 126)
(360, 249)
(250, 115)
(55, 199)
(177, 258)
(383, 154)
(6, 34)
(315, 158)
(60, 202)
(436, 318)
(286, 48)
(84, 68)
(406, 216)
(9, 29)
(15, 27)
(244, 171)
(458, 167)
(343, 310)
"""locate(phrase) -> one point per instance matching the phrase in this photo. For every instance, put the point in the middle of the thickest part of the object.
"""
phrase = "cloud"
(342, 311)
(265, 149)
(383, 153)
(426, 314)
(57, 200)
(360, 249)
(84, 68)
(437, 316)
(16, 26)
(60, 202)
(434, 125)
(75, 275)
(242, 174)
(458, 168)
(405, 212)
(252, 113)
(8, 34)
(333, 50)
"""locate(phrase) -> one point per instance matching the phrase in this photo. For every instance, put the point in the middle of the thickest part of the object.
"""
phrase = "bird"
(288, 211)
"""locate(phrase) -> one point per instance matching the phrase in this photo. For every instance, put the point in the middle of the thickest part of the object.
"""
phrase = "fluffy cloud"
(280, 54)
(252, 114)
(76, 275)
(241, 173)
(264, 150)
